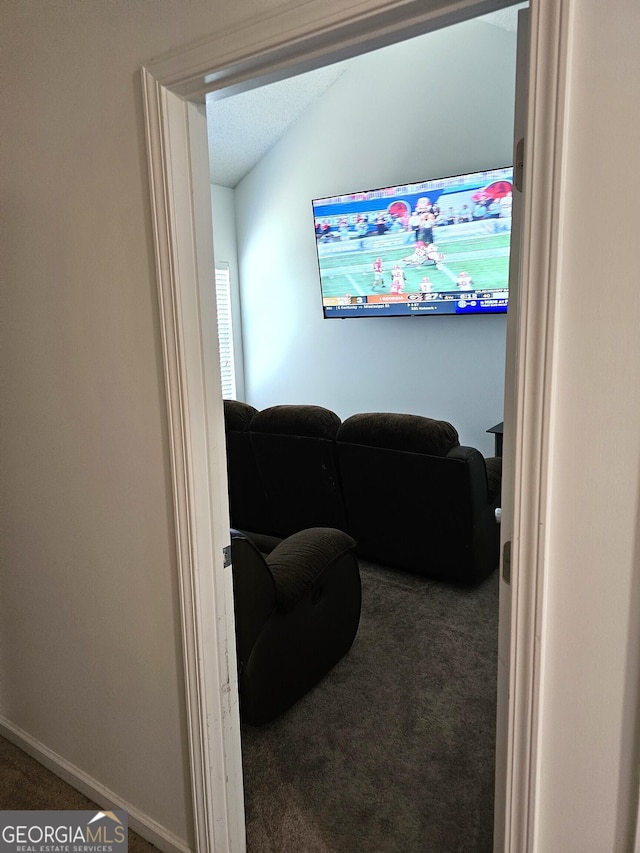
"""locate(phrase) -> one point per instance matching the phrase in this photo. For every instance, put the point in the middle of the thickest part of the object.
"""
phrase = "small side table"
(498, 430)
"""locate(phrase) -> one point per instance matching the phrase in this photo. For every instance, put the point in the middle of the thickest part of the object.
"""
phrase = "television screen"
(435, 247)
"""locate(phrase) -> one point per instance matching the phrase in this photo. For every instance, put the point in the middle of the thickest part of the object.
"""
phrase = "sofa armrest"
(299, 560)
(254, 591)
(486, 533)
(263, 541)
(494, 478)
(481, 496)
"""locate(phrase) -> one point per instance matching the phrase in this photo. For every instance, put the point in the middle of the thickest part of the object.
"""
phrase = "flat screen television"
(435, 247)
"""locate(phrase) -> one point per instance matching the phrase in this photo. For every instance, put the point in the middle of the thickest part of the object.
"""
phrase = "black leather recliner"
(297, 611)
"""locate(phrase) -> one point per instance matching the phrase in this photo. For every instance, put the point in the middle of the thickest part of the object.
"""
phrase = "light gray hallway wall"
(438, 105)
(90, 638)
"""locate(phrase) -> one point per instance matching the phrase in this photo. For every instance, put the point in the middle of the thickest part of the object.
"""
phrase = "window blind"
(225, 332)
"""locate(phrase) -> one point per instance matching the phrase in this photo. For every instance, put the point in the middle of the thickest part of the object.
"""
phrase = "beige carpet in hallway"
(26, 784)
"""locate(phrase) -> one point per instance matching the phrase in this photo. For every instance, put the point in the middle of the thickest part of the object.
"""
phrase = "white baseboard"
(141, 823)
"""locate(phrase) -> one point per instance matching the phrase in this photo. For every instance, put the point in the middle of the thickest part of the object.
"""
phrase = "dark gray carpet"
(394, 749)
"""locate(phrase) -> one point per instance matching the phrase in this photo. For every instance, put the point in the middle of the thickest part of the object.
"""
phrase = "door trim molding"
(327, 30)
(303, 35)
(181, 210)
(541, 258)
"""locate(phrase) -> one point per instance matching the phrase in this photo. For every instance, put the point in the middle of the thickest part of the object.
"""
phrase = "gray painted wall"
(91, 637)
(438, 105)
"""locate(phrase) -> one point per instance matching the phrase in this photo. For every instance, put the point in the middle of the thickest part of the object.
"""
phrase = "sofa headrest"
(237, 415)
(308, 421)
(391, 431)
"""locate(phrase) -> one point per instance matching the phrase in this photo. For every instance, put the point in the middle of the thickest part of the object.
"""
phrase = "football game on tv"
(436, 247)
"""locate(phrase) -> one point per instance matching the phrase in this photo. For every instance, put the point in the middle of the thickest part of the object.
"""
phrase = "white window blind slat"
(225, 333)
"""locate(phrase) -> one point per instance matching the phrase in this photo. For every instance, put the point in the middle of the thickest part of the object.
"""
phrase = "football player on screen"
(418, 257)
(464, 282)
(398, 279)
(378, 273)
(434, 255)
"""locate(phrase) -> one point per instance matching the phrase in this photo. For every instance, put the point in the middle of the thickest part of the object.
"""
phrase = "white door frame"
(301, 36)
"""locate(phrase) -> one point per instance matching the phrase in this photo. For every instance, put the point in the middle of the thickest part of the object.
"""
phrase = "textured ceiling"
(242, 128)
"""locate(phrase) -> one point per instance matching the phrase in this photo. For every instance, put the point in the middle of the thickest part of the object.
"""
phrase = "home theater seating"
(297, 611)
(401, 485)
(307, 493)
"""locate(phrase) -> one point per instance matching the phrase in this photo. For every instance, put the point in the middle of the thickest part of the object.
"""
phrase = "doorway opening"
(274, 217)
(176, 132)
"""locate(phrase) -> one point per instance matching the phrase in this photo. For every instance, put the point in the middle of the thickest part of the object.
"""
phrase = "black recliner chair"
(416, 500)
(294, 451)
(248, 505)
(297, 612)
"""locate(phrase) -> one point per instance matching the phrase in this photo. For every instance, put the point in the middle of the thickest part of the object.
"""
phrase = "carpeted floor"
(394, 749)
(26, 784)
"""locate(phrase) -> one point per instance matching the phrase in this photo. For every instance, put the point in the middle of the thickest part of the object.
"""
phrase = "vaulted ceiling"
(242, 128)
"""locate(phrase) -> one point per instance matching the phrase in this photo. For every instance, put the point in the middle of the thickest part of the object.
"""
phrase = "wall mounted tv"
(434, 247)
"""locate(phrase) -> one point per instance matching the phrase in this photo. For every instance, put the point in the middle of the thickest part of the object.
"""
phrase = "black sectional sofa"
(401, 485)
